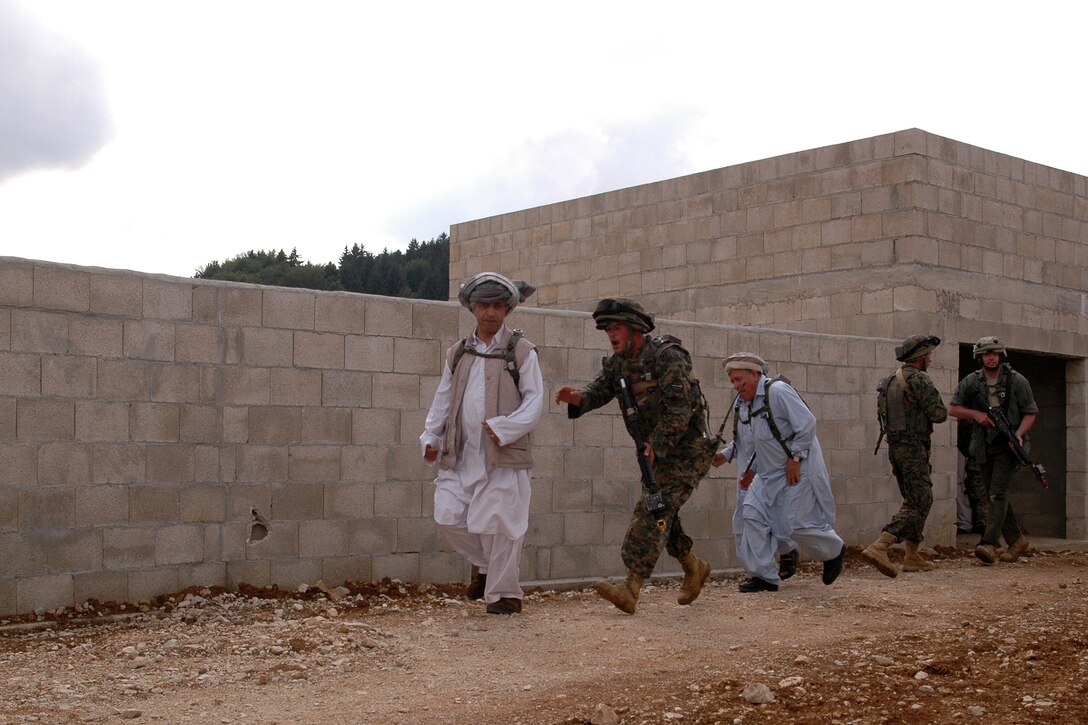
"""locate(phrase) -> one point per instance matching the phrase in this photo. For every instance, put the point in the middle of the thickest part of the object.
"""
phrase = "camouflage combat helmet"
(916, 347)
(988, 344)
(623, 311)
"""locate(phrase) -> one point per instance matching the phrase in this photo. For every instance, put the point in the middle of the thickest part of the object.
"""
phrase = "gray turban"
(492, 287)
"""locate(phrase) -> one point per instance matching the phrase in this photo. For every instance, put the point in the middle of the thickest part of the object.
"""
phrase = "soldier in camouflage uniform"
(999, 386)
(909, 405)
(672, 421)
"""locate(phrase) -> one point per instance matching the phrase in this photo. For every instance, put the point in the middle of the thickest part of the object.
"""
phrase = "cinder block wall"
(866, 237)
(147, 423)
(880, 237)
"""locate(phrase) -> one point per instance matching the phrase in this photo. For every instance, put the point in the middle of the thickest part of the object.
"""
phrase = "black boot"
(787, 564)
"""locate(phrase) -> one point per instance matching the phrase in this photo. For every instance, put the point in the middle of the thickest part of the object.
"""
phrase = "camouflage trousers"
(910, 464)
(677, 478)
(997, 471)
(977, 497)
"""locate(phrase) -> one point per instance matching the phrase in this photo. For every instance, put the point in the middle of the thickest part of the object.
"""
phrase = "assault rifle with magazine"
(654, 503)
(1003, 430)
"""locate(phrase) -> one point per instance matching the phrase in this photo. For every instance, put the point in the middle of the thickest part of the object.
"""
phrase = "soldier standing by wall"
(908, 406)
(672, 421)
(489, 399)
(996, 384)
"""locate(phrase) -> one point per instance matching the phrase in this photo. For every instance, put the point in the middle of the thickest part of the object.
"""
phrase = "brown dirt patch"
(1000, 644)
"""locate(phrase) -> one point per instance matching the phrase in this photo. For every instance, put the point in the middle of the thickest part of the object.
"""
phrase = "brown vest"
(501, 397)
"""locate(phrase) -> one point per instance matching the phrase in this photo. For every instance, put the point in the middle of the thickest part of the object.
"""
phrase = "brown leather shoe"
(505, 605)
(476, 585)
(985, 553)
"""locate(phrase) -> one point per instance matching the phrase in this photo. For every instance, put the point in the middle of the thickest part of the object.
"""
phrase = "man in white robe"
(789, 496)
(490, 398)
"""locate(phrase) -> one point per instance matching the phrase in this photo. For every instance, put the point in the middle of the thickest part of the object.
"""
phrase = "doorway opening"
(1041, 511)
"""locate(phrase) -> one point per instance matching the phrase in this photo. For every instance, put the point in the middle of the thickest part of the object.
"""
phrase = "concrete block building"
(158, 432)
(877, 238)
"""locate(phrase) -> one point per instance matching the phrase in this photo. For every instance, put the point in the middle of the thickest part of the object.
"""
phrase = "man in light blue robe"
(789, 493)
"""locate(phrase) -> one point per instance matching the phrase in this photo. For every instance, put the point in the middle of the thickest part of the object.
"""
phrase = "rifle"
(654, 502)
(1004, 430)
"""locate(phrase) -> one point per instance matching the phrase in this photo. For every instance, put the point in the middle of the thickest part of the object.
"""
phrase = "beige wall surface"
(145, 421)
(864, 238)
(882, 237)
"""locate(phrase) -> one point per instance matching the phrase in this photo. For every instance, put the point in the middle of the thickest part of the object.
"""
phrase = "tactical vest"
(508, 354)
(892, 398)
(1001, 390)
(645, 387)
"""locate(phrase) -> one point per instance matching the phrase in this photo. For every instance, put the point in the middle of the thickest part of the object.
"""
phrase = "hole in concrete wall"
(258, 528)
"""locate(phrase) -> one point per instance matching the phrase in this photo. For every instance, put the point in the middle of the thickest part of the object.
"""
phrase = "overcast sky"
(158, 135)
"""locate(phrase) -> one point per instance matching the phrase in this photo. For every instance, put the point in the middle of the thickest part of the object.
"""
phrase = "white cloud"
(52, 108)
(267, 124)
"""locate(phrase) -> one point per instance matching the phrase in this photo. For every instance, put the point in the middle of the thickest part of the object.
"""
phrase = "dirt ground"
(964, 643)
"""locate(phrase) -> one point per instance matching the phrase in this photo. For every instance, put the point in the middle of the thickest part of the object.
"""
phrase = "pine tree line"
(420, 272)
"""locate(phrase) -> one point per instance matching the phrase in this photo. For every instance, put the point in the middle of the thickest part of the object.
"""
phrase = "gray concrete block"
(146, 584)
(20, 374)
(182, 544)
(64, 464)
(47, 507)
(372, 536)
(401, 567)
(341, 312)
(167, 300)
(154, 504)
(149, 340)
(288, 309)
(395, 500)
(290, 574)
(323, 350)
(118, 462)
(98, 506)
(128, 547)
(61, 289)
(297, 501)
(43, 592)
(321, 538)
(116, 295)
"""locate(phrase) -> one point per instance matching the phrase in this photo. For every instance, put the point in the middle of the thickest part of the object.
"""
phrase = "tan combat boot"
(913, 561)
(877, 553)
(625, 594)
(1017, 548)
(696, 572)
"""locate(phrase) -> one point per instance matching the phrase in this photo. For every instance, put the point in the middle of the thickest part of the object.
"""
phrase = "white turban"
(746, 361)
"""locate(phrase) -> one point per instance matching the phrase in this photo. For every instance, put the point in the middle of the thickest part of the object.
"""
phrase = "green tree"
(273, 268)
(419, 272)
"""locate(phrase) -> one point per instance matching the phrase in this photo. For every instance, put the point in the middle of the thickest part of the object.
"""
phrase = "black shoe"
(755, 584)
(787, 564)
(476, 585)
(833, 567)
(506, 605)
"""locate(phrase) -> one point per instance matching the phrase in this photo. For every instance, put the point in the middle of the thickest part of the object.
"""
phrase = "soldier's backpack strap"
(507, 355)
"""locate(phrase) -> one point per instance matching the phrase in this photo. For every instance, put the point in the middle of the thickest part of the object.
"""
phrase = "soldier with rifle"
(1000, 403)
(666, 415)
(908, 404)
